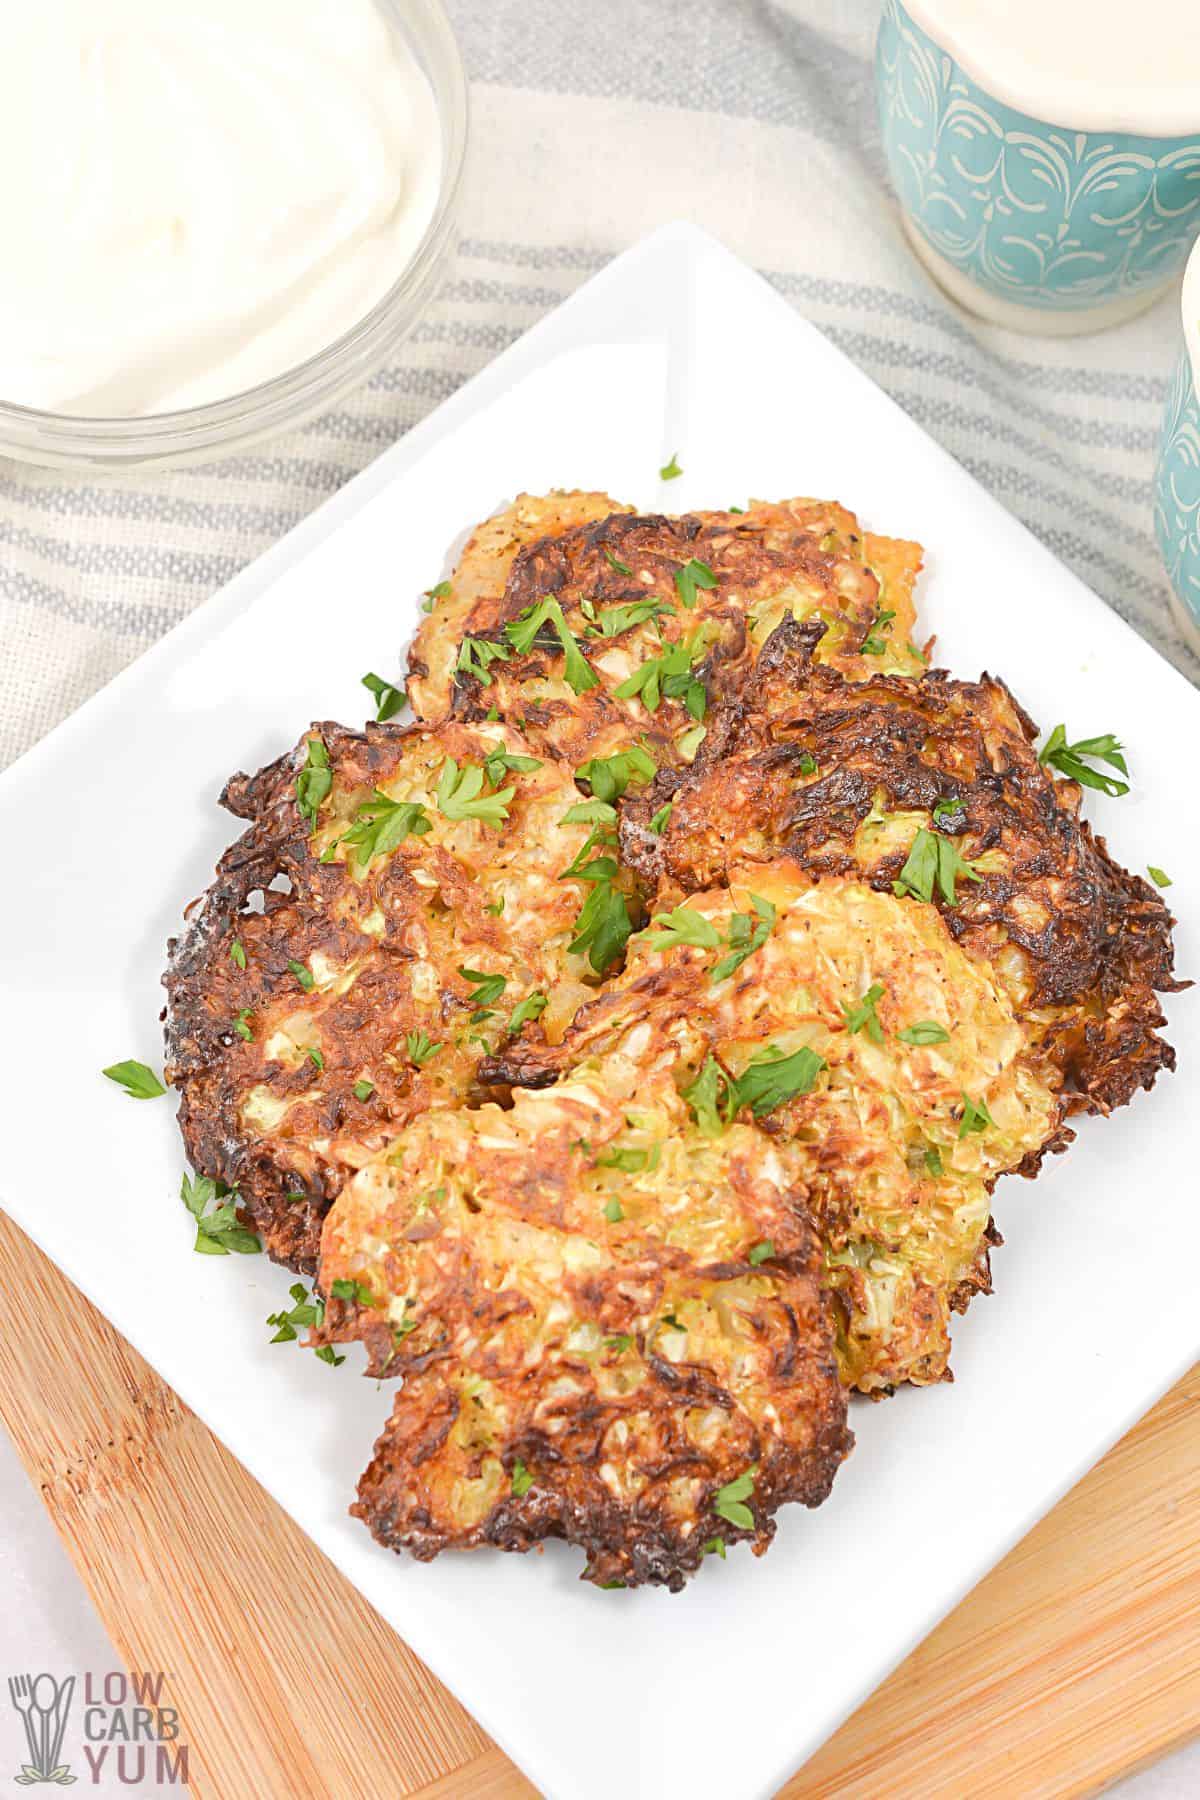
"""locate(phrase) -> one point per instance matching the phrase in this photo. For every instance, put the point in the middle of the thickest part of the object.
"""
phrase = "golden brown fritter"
(476, 587)
(844, 776)
(611, 1329)
(851, 1026)
(354, 959)
(635, 625)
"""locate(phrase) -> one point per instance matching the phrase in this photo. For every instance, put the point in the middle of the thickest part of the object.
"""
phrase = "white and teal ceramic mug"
(1046, 153)
(1177, 471)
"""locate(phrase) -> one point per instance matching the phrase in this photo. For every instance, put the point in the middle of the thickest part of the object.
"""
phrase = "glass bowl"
(204, 433)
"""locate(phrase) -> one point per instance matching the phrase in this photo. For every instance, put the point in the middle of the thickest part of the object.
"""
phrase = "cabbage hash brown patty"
(630, 1046)
(605, 1320)
(348, 971)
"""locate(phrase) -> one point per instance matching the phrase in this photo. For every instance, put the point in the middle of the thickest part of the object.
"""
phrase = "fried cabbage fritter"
(356, 957)
(852, 1027)
(611, 1328)
(623, 630)
(476, 587)
(845, 777)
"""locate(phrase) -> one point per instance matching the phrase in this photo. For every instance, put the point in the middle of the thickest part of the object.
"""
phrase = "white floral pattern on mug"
(1177, 489)
(1035, 214)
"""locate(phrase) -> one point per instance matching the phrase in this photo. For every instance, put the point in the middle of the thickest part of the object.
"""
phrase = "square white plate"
(111, 824)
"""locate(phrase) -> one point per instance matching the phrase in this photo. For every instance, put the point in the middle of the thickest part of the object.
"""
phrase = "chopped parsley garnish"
(622, 1342)
(217, 1232)
(313, 782)
(139, 1082)
(488, 988)
(381, 824)
(603, 925)
(237, 953)
(609, 776)
(770, 1079)
(761, 1253)
(933, 1161)
(864, 1017)
(306, 1312)
(976, 1117)
(315, 1057)
(388, 698)
(683, 926)
(420, 1049)
(242, 1026)
(1072, 760)
(614, 1212)
(460, 795)
(925, 1031)
(440, 591)
(614, 563)
(631, 1159)
(694, 574)
(745, 937)
(806, 763)
(500, 763)
(590, 812)
(659, 821)
(303, 975)
(476, 656)
(875, 643)
(716, 1546)
(1159, 877)
(670, 470)
(611, 621)
(363, 1090)
(729, 1502)
(522, 1479)
(933, 860)
(356, 1292)
(688, 742)
(522, 631)
(532, 1007)
(669, 674)
(327, 1354)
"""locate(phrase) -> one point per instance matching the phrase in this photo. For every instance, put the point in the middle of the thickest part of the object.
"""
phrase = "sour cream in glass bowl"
(218, 215)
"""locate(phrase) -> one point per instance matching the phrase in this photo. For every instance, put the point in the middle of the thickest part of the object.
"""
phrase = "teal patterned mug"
(1177, 471)
(1036, 225)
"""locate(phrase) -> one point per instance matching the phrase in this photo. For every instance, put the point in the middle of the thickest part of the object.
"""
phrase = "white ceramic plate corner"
(111, 824)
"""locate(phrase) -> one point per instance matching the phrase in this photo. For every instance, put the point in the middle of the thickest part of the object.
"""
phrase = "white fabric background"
(596, 120)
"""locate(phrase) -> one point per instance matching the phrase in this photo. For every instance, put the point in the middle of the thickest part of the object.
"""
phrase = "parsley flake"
(242, 1026)
(694, 574)
(303, 975)
(659, 821)
(760, 1253)
(217, 1232)
(671, 470)
(313, 782)
(976, 1117)
(476, 656)
(933, 859)
(381, 824)
(683, 926)
(522, 1479)
(237, 953)
(522, 631)
(460, 795)
(924, 1031)
(420, 1049)
(745, 937)
(532, 1007)
(1072, 760)
(613, 562)
(863, 1016)
(388, 698)
(609, 776)
(614, 1212)
(1158, 876)
(139, 1082)
(487, 987)
(363, 1090)
(729, 1502)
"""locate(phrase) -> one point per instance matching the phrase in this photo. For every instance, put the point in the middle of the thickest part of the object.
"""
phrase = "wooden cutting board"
(1073, 1662)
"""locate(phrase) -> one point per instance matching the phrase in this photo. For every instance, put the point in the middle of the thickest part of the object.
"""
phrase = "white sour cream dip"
(197, 195)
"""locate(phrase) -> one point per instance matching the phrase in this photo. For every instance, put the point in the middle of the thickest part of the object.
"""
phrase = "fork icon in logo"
(43, 1704)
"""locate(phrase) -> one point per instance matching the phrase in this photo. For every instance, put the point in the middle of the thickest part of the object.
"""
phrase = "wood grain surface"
(1076, 1660)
